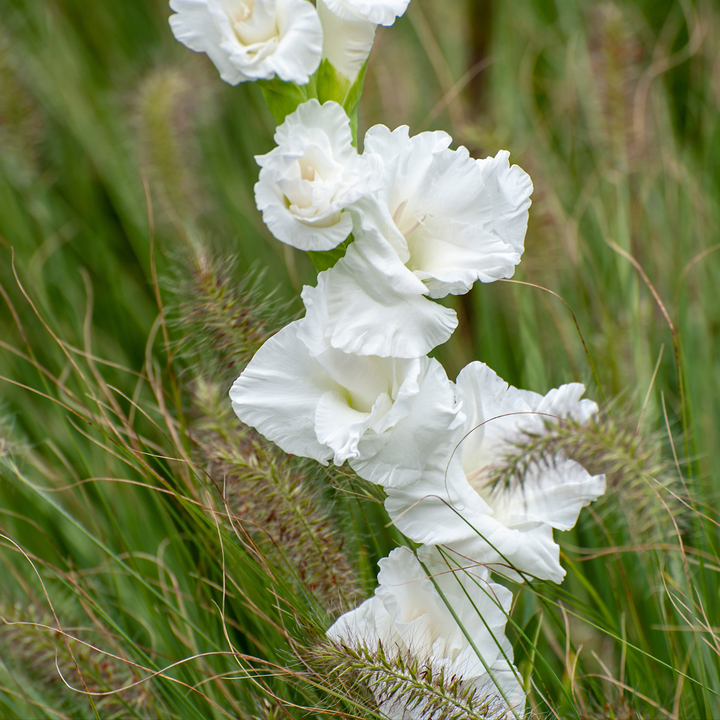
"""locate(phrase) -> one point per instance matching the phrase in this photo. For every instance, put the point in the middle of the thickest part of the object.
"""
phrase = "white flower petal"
(500, 416)
(436, 512)
(252, 40)
(362, 626)
(194, 27)
(392, 417)
(390, 144)
(314, 176)
(497, 415)
(552, 495)
(379, 12)
(451, 220)
(278, 394)
(328, 117)
(360, 313)
(302, 235)
(532, 553)
(565, 402)
(299, 49)
(507, 679)
(452, 258)
(509, 190)
(341, 428)
(420, 441)
(424, 178)
(346, 42)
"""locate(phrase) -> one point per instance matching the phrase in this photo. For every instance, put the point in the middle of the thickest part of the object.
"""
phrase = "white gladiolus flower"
(308, 182)
(502, 525)
(409, 617)
(392, 419)
(252, 39)
(443, 217)
(379, 12)
(346, 42)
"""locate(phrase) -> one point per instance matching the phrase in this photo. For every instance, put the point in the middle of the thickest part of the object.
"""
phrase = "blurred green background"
(112, 133)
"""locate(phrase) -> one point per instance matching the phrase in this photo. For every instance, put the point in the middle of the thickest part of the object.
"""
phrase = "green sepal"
(326, 260)
(333, 85)
(352, 100)
(326, 84)
(283, 98)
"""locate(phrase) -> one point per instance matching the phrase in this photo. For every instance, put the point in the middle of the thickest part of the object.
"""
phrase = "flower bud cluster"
(408, 221)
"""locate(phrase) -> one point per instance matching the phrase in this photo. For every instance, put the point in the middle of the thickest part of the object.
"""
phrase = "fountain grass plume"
(269, 494)
(396, 682)
(32, 647)
(223, 320)
(272, 496)
(638, 474)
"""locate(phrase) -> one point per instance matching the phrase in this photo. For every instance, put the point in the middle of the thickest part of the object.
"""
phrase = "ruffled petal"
(419, 442)
(438, 513)
(451, 219)
(281, 37)
(389, 144)
(553, 495)
(328, 117)
(461, 633)
(508, 190)
(455, 517)
(342, 428)
(500, 416)
(361, 626)
(484, 619)
(359, 313)
(424, 178)
(194, 27)
(449, 260)
(301, 235)
(379, 12)
(505, 682)
(299, 49)
(565, 402)
(513, 553)
(379, 243)
(278, 394)
(495, 412)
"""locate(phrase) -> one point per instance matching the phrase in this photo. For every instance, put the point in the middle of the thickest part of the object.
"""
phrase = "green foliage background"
(126, 175)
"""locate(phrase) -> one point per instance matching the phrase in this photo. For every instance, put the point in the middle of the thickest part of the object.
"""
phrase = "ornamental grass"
(359, 359)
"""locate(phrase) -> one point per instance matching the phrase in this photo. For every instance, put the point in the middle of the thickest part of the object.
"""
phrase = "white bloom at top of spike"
(252, 39)
(505, 525)
(313, 176)
(379, 12)
(411, 620)
(392, 419)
